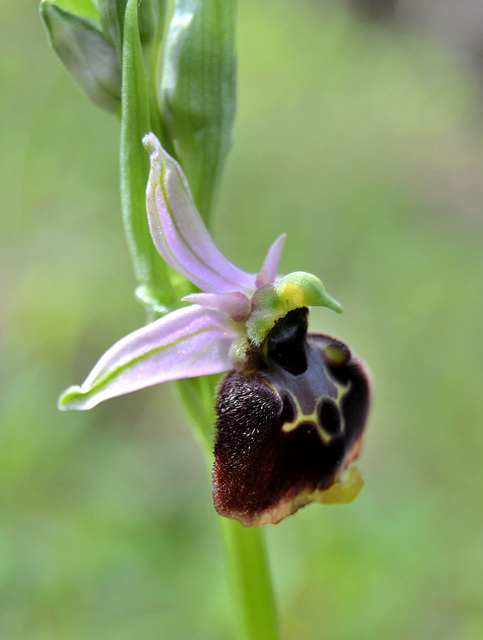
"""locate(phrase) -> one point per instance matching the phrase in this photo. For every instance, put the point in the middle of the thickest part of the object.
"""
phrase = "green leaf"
(151, 272)
(86, 54)
(249, 575)
(198, 91)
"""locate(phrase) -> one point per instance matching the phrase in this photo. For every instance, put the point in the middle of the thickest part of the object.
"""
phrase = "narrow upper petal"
(188, 342)
(234, 304)
(269, 270)
(178, 230)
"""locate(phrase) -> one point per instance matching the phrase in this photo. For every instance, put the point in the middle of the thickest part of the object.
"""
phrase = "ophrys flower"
(292, 409)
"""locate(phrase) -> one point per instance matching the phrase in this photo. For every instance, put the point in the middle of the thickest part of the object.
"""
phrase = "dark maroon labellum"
(286, 431)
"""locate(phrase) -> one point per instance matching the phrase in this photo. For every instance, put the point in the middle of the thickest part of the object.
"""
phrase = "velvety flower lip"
(288, 429)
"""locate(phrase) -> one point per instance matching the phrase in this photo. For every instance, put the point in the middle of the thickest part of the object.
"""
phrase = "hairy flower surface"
(291, 410)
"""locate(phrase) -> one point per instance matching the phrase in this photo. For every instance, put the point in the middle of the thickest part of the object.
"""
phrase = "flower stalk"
(249, 575)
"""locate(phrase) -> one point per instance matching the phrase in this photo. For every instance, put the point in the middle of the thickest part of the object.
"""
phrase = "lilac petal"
(188, 342)
(234, 304)
(178, 230)
(269, 270)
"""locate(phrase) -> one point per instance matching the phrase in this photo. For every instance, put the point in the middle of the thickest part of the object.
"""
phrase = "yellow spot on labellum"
(337, 355)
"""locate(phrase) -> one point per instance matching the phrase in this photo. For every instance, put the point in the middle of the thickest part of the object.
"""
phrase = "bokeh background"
(361, 138)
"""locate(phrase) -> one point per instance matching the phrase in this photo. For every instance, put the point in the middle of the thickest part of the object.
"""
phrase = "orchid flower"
(290, 412)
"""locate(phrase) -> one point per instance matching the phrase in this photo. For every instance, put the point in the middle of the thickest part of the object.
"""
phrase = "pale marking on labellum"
(301, 417)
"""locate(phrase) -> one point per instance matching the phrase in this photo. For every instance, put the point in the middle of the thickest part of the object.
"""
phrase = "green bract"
(86, 53)
(154, 289)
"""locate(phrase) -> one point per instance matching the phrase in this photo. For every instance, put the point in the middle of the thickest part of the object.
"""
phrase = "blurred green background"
(365, 144)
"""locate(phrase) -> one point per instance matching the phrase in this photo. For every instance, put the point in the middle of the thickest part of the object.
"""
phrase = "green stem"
(249, 574)
(151, 272)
